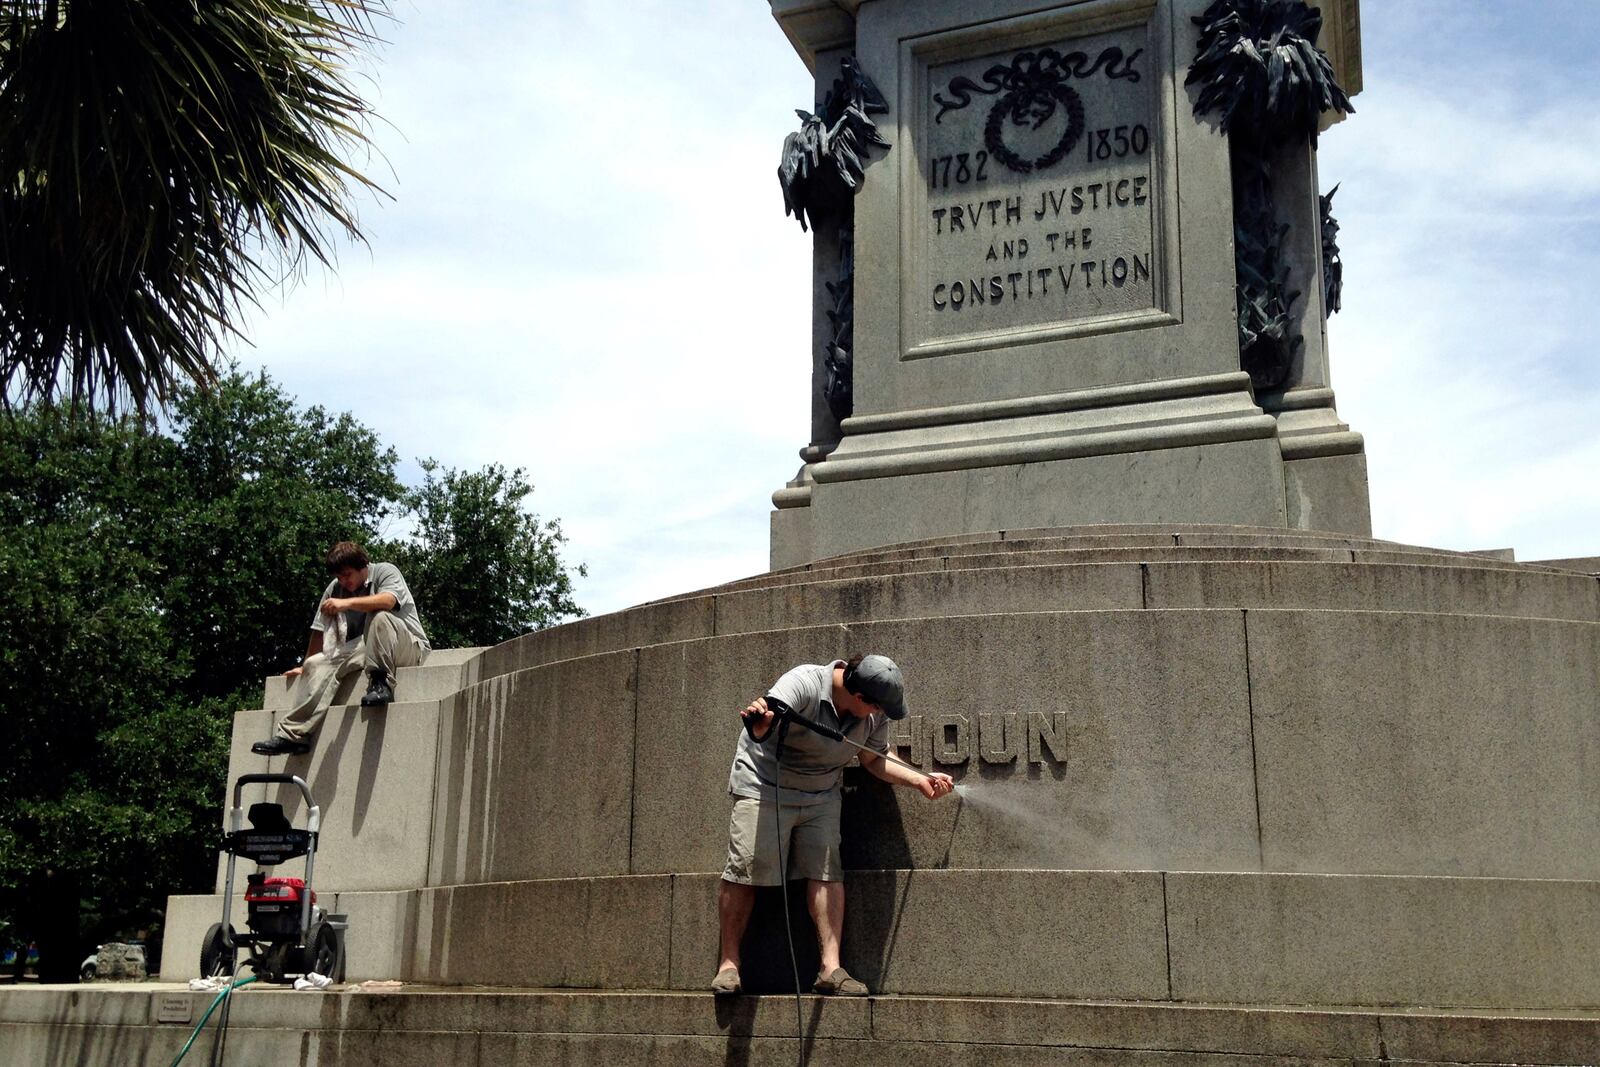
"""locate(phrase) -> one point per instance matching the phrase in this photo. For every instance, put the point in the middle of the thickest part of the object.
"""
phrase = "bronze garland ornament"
(1258, 70)
(825, 161)
(823, 166)
(1257, 67)
(1031, 90)
(1332, 263)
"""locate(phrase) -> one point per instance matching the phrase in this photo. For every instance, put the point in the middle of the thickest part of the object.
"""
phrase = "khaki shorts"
(810, 842)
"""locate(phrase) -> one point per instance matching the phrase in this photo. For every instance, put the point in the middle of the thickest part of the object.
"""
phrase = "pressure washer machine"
(289, 934)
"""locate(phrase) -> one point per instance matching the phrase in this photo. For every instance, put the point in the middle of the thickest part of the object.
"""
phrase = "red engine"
(274, 904)
(277, 890)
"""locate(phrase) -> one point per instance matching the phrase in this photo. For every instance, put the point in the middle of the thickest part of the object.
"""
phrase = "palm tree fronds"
(168, 160)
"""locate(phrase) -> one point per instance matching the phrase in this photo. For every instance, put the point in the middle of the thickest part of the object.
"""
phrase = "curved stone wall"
(1204, 763)
(1292, 740)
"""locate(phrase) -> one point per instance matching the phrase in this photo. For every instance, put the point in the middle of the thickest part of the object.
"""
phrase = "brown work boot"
(838, 984)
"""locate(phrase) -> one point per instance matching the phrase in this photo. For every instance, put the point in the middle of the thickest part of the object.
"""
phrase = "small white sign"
(174, 1007)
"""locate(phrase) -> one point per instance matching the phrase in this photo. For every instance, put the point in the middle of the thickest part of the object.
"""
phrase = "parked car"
(115, 959)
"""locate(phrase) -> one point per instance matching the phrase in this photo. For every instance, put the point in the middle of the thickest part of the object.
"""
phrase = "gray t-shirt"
(811, 763)
(381, 578)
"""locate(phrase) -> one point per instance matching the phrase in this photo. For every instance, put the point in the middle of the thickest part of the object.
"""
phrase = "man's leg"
(817, 859)
(387, 645)
(312, 693)
(752, 861)
(734, 904)
(826, 902)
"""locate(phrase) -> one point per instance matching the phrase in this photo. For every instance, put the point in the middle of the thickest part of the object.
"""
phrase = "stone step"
(445, 671)
(371, 771)
(1090, 556)
(1125, 533)
(1184, 937)
(1087, 537)
(112, 1026)
(1129, 548)
(1582, 564)
(117, 1025)
(1074, 579)
(1165, 738)
(1090, 536)
(1093, 550)
(1230, 584)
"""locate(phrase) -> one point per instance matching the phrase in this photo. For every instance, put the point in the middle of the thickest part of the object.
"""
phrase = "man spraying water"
(844, 707)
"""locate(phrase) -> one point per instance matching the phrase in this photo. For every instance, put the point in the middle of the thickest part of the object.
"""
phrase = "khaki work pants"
(386, 645)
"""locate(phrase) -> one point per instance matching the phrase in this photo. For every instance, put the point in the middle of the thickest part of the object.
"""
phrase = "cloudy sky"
(586, 272)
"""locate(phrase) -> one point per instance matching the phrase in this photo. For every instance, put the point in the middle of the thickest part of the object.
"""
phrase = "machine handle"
(313, 813)
(281, 779)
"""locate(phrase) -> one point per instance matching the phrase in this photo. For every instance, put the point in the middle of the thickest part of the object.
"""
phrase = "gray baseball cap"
(878, 681)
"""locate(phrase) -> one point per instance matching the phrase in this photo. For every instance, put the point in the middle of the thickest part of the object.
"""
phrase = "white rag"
(313, 981)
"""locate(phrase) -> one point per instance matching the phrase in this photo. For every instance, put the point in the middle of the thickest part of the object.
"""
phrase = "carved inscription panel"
(951, 738)
(1034, 208)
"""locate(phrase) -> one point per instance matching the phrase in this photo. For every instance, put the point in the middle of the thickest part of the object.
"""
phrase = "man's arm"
(759, 718)
(369, 604)
(313, 646)
(931, 785)
(796, 688)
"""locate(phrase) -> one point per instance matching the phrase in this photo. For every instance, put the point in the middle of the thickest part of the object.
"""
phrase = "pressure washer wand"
(784, 713)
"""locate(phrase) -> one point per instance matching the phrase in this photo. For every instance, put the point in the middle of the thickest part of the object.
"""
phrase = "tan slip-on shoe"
(838, 984)
(726, 983)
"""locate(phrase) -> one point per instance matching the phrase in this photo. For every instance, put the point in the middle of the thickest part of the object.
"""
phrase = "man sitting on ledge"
(374, 626)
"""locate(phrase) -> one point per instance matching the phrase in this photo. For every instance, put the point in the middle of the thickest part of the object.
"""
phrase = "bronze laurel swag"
(823, 165)
(1260, 72)
(825, 160)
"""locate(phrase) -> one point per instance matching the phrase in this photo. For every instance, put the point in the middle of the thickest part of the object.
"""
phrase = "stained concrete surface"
(535, 774)
(115, 1026)
(1406, 743)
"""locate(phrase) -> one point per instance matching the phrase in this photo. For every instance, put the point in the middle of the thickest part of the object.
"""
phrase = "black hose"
(219, 1043)
(783, 890)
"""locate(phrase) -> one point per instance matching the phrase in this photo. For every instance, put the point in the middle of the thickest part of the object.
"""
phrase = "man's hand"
(758, 718)
(333, 606)
(936, 785)
(293, 672)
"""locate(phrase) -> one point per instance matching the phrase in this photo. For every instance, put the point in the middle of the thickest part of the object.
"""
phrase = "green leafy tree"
(82, 653)
(149, 579)
(150, 576)
(261, 488)
(164, 162)
(483, 568)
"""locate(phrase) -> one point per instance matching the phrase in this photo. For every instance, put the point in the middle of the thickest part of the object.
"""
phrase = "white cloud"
(1471, 221)
(587, 272)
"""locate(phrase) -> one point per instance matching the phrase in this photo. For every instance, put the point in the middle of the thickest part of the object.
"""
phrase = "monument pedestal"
(1046, 303)
(1193, 450)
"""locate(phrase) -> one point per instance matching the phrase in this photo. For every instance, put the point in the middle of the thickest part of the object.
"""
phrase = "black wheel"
(87, 971)
(325, 951)
(216, 957)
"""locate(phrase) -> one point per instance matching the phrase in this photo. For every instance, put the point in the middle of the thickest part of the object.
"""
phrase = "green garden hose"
(227, 990)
